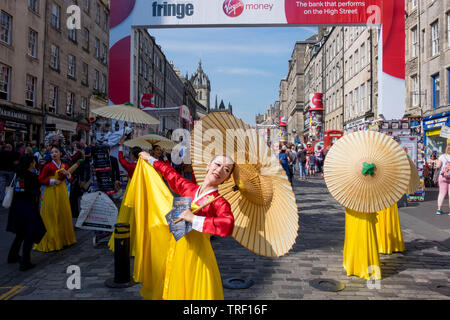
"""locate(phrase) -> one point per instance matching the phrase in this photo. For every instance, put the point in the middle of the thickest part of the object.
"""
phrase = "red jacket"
(128, 166)
(219, 218)
(49, 171)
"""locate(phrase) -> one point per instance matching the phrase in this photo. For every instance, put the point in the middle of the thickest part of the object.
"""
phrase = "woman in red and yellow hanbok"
(185, 269)
(55, 212)
(126, 214)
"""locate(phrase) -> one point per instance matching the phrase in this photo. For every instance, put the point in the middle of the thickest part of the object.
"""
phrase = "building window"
(96, 79)
(103, 88)
(5, 74)
(414, 42)
(32, 43)
(415, 90)
(363, 97)
(53, 99)
(105, 20)
(56, 16)
(350, 62)
(71, 65)
(34, 5)
(105, 54)
(87, 5)
(54, 57)
(86, 39)
(85, 78)
(5, 27)
(436, 90)
(356, 61)
(84, 103)
(30, 94)
(448, 29)
(350, 98)
(356, 101)
(73, 35)
(363, 55)
(70, 103)
(97, 48)
(435, 38)
(97, 14)
(413, 4)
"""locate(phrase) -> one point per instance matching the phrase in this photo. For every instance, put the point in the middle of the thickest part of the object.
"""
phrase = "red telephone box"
(331, 136)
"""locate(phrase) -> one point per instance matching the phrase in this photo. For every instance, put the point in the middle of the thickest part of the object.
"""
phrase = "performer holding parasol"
(55, 211)
(250, 200)
(368, 172)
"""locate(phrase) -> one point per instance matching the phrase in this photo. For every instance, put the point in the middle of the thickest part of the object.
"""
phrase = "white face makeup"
(219, 170)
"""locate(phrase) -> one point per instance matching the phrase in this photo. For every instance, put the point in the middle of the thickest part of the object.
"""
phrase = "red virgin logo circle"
(233, 8)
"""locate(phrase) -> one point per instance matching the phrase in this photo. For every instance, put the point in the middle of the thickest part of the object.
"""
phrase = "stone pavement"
(421, 272)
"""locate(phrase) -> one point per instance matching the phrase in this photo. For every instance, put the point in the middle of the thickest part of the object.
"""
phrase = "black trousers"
(26, 248)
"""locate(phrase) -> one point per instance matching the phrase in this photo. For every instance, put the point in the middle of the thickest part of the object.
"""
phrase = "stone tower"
(202, 86)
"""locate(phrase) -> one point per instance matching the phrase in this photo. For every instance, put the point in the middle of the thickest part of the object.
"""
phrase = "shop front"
(433, 140)
(18, 126)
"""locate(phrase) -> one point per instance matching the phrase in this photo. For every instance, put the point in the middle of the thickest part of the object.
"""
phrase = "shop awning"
(62, 124)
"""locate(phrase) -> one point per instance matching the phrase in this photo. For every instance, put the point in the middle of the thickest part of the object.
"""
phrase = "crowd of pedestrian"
(309, 160)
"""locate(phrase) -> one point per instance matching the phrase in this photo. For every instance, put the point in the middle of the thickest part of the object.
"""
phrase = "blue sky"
(244, 65)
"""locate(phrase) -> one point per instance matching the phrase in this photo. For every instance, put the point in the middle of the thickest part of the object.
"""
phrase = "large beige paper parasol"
(126, 112)
(264, 206)
(415, 180)
(149, 140)
(367, 171)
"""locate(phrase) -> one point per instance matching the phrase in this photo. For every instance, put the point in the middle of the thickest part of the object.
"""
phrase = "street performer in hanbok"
(187, 268)
(55, 212)
(126, 214)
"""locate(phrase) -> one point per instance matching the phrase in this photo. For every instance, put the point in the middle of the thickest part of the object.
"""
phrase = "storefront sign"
(435, 123)
(13, 114)
(15, 125)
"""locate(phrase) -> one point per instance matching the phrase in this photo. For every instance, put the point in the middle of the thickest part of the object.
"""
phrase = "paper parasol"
(264, 206)
(415, 180)
(125, 112)
(149, 140)
(367, 171)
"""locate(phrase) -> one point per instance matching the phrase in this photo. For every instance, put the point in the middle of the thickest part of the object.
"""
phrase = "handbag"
(9, 192)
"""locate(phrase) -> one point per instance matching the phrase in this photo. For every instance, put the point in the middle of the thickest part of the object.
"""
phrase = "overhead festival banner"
(262, 13)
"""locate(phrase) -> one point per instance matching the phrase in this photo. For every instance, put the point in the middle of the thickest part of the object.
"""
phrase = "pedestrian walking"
(75, 187)
(312, 164)
(444, 178)
(283, 157)
(8, 161)
(56, 212)
(24, 219)
(301, 159)
(293, 158)
(319, 159)
(431, 172)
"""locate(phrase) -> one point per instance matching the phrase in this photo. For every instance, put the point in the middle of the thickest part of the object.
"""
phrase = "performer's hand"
(144, 155)
(186, 215)
(57, 182)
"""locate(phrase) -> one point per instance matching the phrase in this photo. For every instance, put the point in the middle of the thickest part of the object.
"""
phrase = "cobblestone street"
(421, 272)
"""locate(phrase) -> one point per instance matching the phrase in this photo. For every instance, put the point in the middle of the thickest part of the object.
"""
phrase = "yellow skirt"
(389, 232)
(126, 215)
(185, 269)
(57, 217)
(360, 248)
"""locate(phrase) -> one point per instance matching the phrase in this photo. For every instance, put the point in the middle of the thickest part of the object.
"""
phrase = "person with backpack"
(444, 178)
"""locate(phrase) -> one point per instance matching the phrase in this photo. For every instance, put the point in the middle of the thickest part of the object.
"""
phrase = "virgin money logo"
(233, 8)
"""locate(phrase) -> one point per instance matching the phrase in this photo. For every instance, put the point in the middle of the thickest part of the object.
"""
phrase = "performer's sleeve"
(70, 178)
(222, 225)
(176, 182)
(125, 164)
(44, 176)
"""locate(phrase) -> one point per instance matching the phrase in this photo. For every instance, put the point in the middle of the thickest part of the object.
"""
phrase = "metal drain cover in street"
(442, 289)
(327, 285)
(237, 283)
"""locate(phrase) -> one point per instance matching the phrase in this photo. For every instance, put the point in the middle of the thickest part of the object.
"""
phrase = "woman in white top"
(444, 182)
